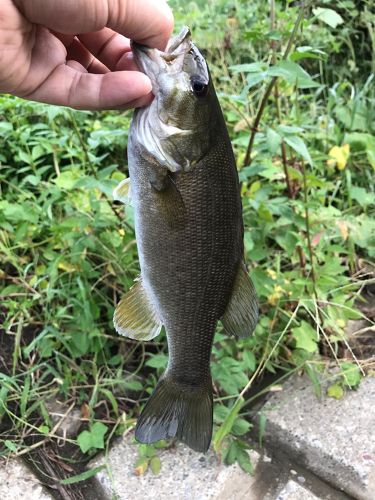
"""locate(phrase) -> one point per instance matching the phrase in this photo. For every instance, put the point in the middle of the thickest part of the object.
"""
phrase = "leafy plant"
(296, 88)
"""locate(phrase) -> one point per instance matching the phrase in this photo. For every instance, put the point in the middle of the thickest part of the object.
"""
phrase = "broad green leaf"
(240, 427)
(220, 413)
(273, 140)
(297, 144)
(133, 385)
(328, 16)
(155, 465)
(362, 142)
(351, 374)
(93, 438)
(306, 337)
(293, 74)
(363, 197)
(253, 79)
(67, 179)
(307, 52)
(10, 445)
(335, 391)
(255, 67)
(17, 212)
(157, 361)
(249, 360)
(244, 461)
(231, 453)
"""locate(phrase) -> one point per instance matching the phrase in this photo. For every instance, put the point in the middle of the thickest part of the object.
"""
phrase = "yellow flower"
(339, 156)
(276, 295)
(271, 273)
(344, 230)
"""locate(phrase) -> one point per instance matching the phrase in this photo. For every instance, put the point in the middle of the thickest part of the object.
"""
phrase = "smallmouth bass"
(188, 222)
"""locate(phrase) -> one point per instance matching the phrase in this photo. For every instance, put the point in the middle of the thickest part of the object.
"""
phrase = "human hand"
(77, 53)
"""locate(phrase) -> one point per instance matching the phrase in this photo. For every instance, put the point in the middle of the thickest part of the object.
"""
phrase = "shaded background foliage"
(68, 253)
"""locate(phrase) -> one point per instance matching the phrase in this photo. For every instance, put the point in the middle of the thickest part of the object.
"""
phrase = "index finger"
(147, 21)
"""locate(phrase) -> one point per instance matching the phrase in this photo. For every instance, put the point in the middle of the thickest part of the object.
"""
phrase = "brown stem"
(301, 256)
(267, 93)
(308, 234)
(283, 147)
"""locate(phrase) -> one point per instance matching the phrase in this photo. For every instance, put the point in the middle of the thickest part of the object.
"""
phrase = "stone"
(334, 439)
(18, 483)
(69, 419)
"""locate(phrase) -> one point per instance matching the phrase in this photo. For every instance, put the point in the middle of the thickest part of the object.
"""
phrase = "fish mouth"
(181, 55)
(148, 59)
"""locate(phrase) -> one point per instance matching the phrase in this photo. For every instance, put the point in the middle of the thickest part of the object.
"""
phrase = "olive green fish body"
(187, 206)
(190, 270)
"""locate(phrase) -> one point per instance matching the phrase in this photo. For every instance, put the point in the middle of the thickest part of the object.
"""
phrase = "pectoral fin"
(123, 192)
(135, 316)
(241, 315)
(170, 203)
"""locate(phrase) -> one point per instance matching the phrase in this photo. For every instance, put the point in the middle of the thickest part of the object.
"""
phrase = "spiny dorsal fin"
(123, 192)
(241, 314)
(135, 316)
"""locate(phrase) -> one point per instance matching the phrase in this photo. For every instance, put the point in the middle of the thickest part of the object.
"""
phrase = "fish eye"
(200, 88)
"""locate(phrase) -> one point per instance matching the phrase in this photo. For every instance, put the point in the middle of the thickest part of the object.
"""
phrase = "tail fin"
(175, 411)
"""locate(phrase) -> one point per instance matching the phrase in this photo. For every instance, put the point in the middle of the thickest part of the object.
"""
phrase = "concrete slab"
(294, 491)
(185, 475)
(18, 483)
(335, 439)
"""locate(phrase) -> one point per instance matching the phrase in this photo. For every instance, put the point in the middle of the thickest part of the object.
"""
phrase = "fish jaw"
(175, 128)
(180, 56)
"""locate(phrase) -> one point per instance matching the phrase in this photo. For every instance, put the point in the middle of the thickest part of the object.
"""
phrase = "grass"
(68, 253)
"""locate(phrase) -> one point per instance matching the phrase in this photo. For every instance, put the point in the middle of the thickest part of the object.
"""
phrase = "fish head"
(175, 127)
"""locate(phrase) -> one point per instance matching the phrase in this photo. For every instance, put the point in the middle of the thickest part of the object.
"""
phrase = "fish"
(185, 191)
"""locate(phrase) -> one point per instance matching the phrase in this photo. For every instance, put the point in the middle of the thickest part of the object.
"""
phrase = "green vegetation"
(68, 253)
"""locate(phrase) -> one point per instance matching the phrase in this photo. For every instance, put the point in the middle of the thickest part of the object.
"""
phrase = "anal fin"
(241, 315)
(135, 316)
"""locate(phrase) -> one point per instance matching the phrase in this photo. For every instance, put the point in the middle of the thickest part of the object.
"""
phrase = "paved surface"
(17, 483)
(333, 439)
(293, 491)
(186, 475)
